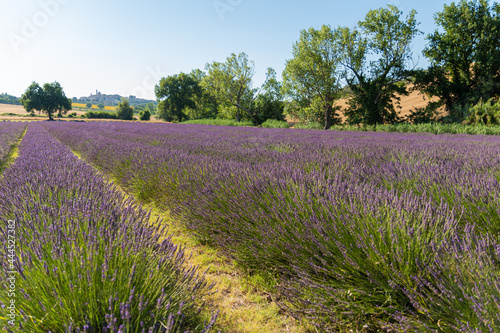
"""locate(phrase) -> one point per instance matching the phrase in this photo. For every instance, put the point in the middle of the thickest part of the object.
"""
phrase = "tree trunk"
(238, 114)
(328, 115)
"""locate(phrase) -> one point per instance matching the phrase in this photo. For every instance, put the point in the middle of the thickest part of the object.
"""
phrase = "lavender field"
(9, 135)
(359, 230)
(86, 258)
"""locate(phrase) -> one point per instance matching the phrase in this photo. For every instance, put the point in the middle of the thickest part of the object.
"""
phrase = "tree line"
(9, 99)
(370, 65)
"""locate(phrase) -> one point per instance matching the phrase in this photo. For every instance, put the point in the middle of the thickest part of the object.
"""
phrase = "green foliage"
(100, 115)
(151, 107)
(205, 105)
(219, 122)
(72, 115)
(100, 106)
(124, 111)
(48, 99)
(484, 113)
(175, 94)
(304, 111)
(464, 55)
(269, 104)
(386, 38)
(311, 125)
(311, 77)
(273, 123)
(230, 83)
(435, 128)
(89, 105)
(145, 115)
(9, 99)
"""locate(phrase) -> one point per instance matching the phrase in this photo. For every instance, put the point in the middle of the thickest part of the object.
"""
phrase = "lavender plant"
(87, 258)
(369, 231)
(10, 132)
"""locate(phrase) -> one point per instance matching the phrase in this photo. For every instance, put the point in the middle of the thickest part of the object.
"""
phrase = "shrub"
(310, 125)
(484, 113)
(100, 115)
(273, 123)
(218, 122)
(144, 115)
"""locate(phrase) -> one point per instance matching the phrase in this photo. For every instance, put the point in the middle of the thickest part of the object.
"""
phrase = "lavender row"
(9, 135)
(87, 259)
(373, 230)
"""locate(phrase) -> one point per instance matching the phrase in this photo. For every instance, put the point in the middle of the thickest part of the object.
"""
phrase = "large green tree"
(376, 58)
(230, 83)
(464, 54)
(48, 99)
(174, 94)
(124, 111)
(312, 77)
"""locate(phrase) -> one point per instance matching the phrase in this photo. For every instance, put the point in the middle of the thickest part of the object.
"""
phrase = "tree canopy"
(376, 59)
(230, 83)
(312, 77)
(464, 55)
(174, 94)
(48, 99)
(124, 111)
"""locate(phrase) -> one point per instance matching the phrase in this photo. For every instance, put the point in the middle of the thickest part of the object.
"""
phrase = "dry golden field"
(19, 110)
(408, 103)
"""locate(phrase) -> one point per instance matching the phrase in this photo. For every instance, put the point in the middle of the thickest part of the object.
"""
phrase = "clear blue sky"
(125, 47)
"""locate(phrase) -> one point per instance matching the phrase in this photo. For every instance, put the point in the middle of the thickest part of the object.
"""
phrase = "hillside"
(9, 99)
(111, 100)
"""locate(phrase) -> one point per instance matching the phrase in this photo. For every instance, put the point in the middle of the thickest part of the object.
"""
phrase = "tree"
(144, 115)
(230, 83)
(47, 99)
(269, 103)
(174, 94)
(100, 106)
(384, 37)
(311, 77)
(464, 55)
(206, 105)
(89, 105)
(124, 111)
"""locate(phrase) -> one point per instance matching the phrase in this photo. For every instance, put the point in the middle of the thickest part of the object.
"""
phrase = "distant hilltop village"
(110, 100)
